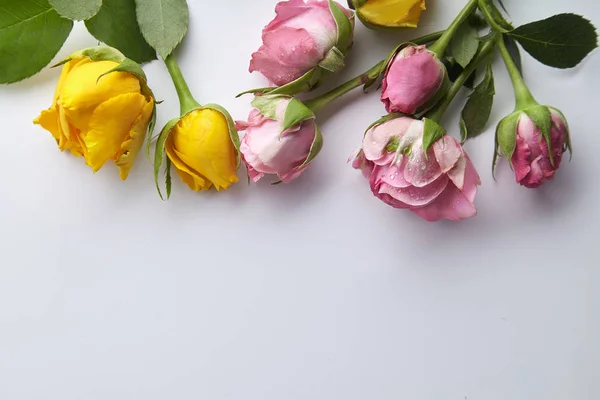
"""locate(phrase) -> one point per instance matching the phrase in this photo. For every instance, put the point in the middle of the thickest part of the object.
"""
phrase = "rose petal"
(416, 196)
(451, 204)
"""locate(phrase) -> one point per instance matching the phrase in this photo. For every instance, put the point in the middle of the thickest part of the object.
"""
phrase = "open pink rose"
(296, 41)
(266, 150)
(442, 185)
(412, 80)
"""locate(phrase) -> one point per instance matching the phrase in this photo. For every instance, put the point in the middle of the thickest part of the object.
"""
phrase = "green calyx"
(294, 114)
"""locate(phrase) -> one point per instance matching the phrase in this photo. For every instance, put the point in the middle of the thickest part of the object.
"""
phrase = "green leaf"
(478, 109)
(431, 134)
(233, 133)
(77, 10)
(344, 25)
(117, 26)
(506, 134)
(159, 152)
(163, 23)
(31, 33)
(454, 70)
(465, 44)
(295, 113)
(561, 41)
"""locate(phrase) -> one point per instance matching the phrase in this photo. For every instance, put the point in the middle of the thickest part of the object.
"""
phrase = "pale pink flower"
(267, 149)
(441, 185)
(296, 41)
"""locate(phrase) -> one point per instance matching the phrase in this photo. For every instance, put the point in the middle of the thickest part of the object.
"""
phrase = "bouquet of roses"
(103, 108)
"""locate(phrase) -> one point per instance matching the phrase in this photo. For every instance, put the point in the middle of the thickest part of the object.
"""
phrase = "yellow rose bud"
(99, 115)
(201, 149)
(389, 13)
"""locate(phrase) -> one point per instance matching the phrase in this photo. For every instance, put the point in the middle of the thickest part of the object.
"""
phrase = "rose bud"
(534, 141)
(102, 108)
(414, 80)
(202, 145)
(281, 138)
(305, 41)
(376, 14)
(410, 164)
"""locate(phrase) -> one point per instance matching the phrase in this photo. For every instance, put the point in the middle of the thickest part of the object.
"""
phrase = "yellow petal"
(109, 127)
(133, 143)
(393, 13)
(201, 140)
(192, 178)
(68, 67)
(48, 120)
(70, 138)
(82, 89)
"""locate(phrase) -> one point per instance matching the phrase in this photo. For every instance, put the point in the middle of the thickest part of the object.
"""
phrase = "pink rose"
(412, 80)
(442, 185)
(531, 159)
(296, 41)
(268, 148)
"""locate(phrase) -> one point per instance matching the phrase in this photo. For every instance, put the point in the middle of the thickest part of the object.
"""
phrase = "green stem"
(186, 100)
(439, 47)
(366, 78)
(438, 111)
(523, 96)
(363, 79)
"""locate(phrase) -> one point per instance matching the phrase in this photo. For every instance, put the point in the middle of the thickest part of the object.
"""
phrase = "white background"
(314, 290)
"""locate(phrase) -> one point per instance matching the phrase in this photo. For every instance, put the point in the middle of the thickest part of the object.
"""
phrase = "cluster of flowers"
(103, 106)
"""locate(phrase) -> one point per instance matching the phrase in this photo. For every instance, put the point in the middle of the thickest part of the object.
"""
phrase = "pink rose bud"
(413, 80)
(439, 185)
(535, 156)
(303, 36)
(281, 138)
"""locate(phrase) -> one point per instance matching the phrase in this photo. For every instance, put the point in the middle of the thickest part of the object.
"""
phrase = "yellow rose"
(390, 13)
(201, 148)
(99, 115)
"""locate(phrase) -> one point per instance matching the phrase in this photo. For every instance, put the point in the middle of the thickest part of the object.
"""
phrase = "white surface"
(314, 290)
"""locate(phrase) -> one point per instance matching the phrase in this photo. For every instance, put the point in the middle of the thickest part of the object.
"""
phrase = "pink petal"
(447, 152)
(413, 78)
(421, 171)
(414, 196)
(451, 204)
(377, 138)
(286, 55)
(392, 175)
(521, 159)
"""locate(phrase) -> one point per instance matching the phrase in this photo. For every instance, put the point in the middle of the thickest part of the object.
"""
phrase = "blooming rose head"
(389, 13)
(406, 170)
(98, 112)
(303, 36)
(281, 138)
(534, 140)
(202, 145)
(413, 81)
